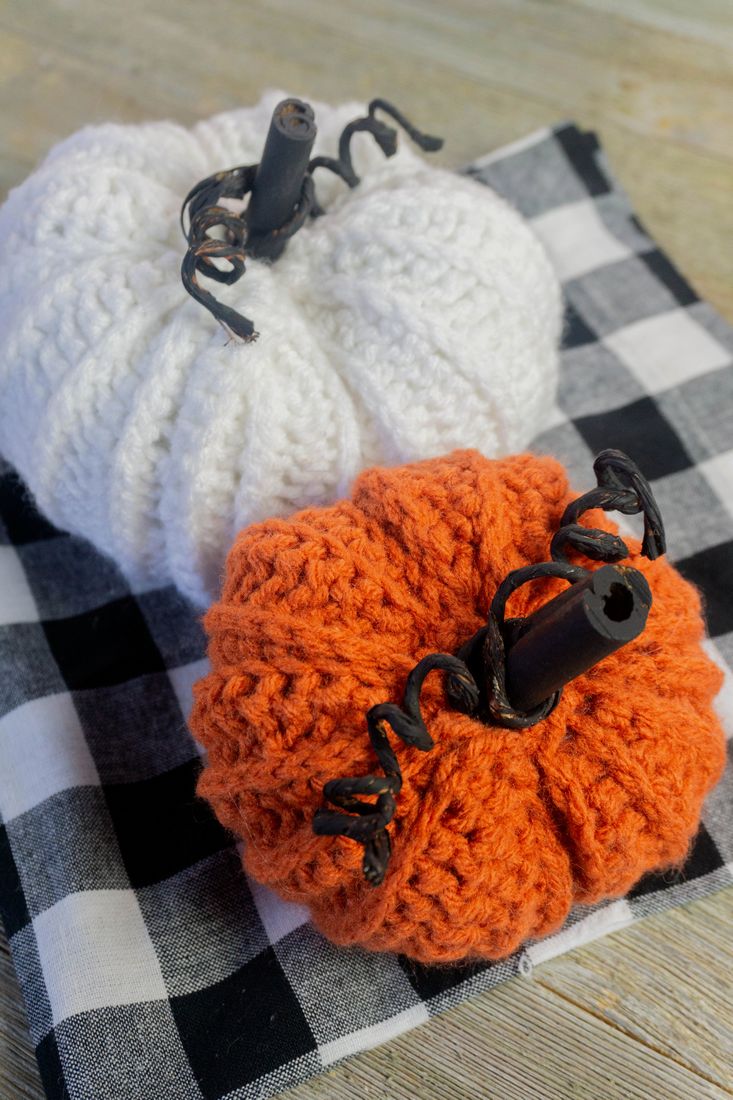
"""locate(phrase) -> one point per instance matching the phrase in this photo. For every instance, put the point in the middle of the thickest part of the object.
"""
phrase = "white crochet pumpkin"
(418, 314)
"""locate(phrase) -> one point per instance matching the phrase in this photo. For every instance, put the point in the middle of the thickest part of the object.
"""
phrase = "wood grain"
(553, 1038)
(648, 1011)
(18, 1071)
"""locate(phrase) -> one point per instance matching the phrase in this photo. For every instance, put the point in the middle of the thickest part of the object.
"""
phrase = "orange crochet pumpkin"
(497, 832)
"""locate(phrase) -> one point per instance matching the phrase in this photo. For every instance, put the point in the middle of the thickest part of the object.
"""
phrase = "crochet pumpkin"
(417, 296)
(497, 832)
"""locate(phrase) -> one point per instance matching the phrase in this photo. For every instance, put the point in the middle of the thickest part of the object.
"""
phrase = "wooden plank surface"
(647, 1012)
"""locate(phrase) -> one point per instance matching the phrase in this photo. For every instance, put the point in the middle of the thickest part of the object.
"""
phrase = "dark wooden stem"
(571, 633)
(278, 185)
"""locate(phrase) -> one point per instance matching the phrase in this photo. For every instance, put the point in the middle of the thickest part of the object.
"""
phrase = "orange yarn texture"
(497, 832)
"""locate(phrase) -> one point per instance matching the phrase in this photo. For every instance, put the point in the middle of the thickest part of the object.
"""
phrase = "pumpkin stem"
(277, 190)
(528, 661)
(282, 199)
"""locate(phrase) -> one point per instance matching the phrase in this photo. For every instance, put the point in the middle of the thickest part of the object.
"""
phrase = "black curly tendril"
(621, 488)
(476, 678)
(368, 821)
(205, 213)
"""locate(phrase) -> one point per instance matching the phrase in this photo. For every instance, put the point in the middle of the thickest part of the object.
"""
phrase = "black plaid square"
(110, 644)
(459, 983)
(13, 904)
(582, 150)
(435, 982)
(161, 826)
(712, 571)
(667, 275)
(253, 1016)
(577, 333)
(50, 1068)
(642, 432)
(20, 520)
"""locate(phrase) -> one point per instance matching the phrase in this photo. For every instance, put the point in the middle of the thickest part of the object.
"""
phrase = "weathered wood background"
(647, 1012)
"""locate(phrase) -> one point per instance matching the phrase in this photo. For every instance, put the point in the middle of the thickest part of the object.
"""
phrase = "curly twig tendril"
(367, 821)
(385, 137)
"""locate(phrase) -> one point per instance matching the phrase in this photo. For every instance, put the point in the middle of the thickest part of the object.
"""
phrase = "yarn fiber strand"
(497, 832)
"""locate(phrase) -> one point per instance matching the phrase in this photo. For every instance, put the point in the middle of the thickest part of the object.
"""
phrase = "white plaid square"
(724, 699)
(367, 1037)
(718, 473)
(183, 677)
(599, 922)
(16, 599)
(95, 952)
(577, 240)
(279, 918)
(665, 350)
(43, 751)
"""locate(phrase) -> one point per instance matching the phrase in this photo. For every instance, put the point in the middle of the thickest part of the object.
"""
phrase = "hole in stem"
(618, 603)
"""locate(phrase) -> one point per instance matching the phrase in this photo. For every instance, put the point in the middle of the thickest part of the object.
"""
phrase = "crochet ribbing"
(497, 832)
(419, 314)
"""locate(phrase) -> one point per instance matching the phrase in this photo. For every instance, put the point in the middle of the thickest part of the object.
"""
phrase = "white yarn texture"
(418, 315)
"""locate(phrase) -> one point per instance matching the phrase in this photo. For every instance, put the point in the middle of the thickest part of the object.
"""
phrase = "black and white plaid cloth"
(151, 968)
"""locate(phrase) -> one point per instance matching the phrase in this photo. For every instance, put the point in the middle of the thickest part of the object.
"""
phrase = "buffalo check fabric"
(152, 969)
